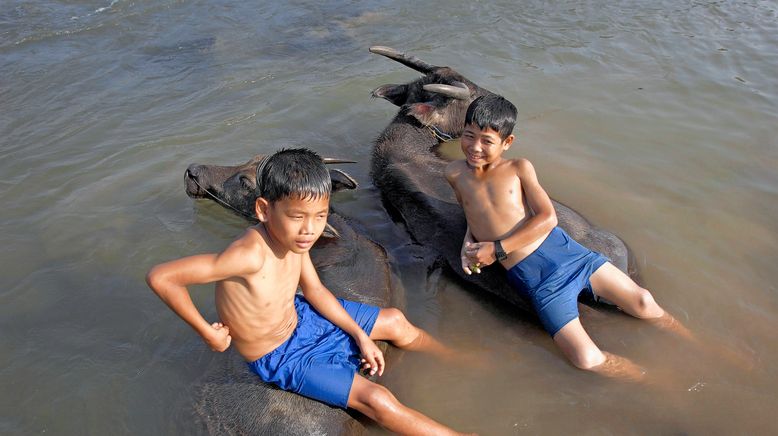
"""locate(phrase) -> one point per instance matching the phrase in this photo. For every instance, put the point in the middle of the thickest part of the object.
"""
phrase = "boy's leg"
(378, 404)
(579, 348)
(392, 326)
(612, 284)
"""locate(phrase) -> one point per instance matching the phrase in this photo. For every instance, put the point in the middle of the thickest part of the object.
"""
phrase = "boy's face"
(483, 147)
(294, 223)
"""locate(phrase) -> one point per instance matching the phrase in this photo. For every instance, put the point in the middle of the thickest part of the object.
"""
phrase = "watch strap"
(499, 252)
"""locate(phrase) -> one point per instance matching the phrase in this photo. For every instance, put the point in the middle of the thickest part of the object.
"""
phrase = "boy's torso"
(495, 205)
(259, 308)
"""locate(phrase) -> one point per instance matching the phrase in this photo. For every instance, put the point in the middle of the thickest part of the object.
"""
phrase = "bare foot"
(745, 361)
(474, 360)
(620, 368)
(740, 359)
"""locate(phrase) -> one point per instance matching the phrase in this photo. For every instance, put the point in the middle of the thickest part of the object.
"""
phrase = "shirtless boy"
(307, 344)
(510, 218)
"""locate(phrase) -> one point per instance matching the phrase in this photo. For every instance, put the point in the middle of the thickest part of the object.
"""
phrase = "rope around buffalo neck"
(439, 134)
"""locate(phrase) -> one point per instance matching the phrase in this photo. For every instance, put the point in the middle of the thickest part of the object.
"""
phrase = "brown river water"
(655, 120)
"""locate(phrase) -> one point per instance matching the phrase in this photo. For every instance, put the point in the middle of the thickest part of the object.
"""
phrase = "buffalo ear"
(423, 112)
(342, 181)
(395, 94)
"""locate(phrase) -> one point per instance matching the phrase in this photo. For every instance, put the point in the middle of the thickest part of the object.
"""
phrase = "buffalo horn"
(459, 92)
(407, 60)
(331, 160)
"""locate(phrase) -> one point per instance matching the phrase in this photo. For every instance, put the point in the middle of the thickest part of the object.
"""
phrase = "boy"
(511, 219)
(306, 344)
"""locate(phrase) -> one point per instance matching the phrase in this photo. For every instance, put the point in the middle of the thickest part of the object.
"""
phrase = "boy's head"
(494, 112)
(293, 194)
(487, 134)
(293, 172)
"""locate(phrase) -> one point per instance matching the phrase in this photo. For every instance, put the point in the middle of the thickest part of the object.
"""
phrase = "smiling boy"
(511, 220)
(311, 343)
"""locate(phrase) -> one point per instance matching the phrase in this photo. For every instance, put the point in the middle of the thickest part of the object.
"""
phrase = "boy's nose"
(308, 227)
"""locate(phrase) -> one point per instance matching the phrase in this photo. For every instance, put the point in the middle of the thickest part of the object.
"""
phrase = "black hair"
(493, 111)
(293, 172)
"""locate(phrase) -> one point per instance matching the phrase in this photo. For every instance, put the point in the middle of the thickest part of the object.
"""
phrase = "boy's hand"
(372, 357)
(480, 254)
(468, 266)
(219, 338)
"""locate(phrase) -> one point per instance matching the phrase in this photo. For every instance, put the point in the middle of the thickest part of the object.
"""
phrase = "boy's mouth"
(474, 157)
(304, 243)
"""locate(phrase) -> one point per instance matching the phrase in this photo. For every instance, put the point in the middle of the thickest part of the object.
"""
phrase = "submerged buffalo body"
(232, 399)
(410, 175)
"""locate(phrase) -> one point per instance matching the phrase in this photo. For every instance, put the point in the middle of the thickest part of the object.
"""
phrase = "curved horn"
(330, 160)
(407, 60)
(459, 92)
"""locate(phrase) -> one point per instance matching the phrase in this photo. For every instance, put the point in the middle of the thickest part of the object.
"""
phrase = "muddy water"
(656, 122)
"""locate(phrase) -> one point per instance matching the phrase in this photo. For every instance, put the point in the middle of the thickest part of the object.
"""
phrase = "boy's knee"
(394, 316)
(402, 330)
(646, 305)
(381, 401)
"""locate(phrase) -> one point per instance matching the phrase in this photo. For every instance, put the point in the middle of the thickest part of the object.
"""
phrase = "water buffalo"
(409, 173)
(232, 399)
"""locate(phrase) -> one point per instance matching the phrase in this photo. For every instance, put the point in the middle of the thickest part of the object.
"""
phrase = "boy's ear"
(261, 209)
(506, 144)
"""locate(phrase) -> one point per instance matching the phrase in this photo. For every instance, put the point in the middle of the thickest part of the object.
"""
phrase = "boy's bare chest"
(491, 192)
(277, 275)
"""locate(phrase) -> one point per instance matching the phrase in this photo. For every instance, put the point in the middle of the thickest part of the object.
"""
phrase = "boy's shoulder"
(249, 249)
(455, 167)
(523, 165)
(519, 164)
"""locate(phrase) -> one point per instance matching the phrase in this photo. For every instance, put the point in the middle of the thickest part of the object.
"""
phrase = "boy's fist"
(219, 339)
(480, 254)
(468, 265)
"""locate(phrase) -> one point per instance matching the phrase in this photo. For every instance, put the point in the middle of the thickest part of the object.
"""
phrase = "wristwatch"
(499, 253)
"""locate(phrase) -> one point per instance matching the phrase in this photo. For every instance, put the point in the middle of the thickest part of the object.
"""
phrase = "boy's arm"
(169, 280)
(544, 218)
(468, 240)
(328, 306)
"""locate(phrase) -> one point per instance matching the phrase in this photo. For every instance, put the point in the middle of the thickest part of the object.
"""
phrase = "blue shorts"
(319, 360)
(553, 276)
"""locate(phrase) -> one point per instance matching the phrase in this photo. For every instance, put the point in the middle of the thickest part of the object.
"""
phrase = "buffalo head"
(234, 187)
(438, 100)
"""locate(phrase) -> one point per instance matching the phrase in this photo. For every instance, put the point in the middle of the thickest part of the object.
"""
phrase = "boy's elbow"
(551, 220)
